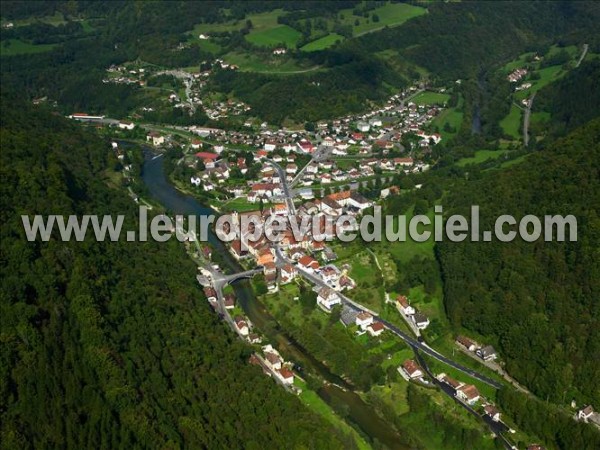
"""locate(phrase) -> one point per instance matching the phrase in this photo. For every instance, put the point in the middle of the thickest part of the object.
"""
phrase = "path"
(583, 53)
(526, 118)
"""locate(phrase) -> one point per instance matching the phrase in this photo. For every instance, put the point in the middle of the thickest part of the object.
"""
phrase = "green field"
(322, 43)
(55, 20)
(511, 124)
(391, 15)
(480, 156)
(281, 35)
(431, 98)
(16, 47)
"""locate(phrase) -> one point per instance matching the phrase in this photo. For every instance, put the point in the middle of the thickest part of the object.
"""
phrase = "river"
(336, 391)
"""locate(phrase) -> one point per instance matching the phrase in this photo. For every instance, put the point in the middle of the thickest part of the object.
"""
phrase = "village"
(265, 171)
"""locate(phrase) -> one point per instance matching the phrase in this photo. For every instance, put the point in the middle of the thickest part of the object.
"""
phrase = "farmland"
(512, 122)
(16, 47)
(391, 15)
(270, 37)
(322, 43)
(431, 98)
(480, 156)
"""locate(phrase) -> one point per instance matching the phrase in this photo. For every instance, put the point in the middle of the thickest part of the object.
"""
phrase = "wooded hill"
(113, 345)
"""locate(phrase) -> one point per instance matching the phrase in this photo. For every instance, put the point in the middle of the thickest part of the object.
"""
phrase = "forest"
(538, 302)
(112, 344)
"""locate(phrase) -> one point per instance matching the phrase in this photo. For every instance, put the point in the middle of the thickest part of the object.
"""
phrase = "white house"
(375, 329)
(156, 138)
(328, 298)
(487, 353)
(585, 413)
(404, 305)
(364, 319)
(420, 320)
(125, 125)
(363, 127)
(468, 393)
(242, 326)
(411, 369)
(492, 412)
(285, 375)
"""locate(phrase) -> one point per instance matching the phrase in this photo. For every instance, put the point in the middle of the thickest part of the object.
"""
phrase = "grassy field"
(481, 156)
(451, 116)
(240, 204)
(270, 37)
(511, 124)
(322, 43)
(431, 98)
(16, 47)
(391, 15)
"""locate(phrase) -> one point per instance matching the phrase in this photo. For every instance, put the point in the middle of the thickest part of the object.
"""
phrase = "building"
(468, 394)
(363, 319)
(125, 125)
(466, 343)
(585, 413)
(328, 298)
(242, 326)
(285, 375)
(411, 369)
(375, 329)
(487, 353)
(229, 301)
(155, 138)
(308, 263)
(404, 305)
(493, 412)
(420, 320)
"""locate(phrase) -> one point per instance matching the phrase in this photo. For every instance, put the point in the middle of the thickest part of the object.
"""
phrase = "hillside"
(112, 345)
(537, 301)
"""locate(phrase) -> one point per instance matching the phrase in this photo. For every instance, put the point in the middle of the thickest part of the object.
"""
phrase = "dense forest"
(537, 301)
(111, 344)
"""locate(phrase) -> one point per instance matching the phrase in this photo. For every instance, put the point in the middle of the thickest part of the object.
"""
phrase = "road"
(395, 330)
(526, 118)
(289, 200)
(495, 427)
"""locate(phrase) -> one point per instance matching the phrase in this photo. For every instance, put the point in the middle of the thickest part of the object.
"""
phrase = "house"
(404, 305)
(156, 138)
(328, 298)
(211, 294)
(420, 320)
(306, 146)
(196, 144)
(466, 343)
(375, 329)
(291, 169)
(208, 159)
(229, 301)
(288, 273)
(328, 142)
(242, 326)
(585, 413)
(125, 125)
(487, 353)
(270, 146)
(468, 393)
(308, 263)
(363, 127)
(363, 319)
(269, 268)
(273, 359)
(449, 381)
(493, 412)
(285, 375)
(411, 369)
